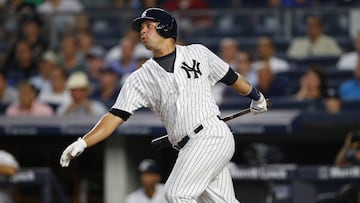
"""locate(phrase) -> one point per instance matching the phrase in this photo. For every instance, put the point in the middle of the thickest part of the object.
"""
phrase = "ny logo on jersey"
(195, 68)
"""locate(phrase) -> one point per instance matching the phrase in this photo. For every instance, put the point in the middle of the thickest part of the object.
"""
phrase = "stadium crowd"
(70, 72)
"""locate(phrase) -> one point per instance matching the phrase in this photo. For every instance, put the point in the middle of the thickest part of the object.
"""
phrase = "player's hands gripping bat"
(260, 105)
(163, 141)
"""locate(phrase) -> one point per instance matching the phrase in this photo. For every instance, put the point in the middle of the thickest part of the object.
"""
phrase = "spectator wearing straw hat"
(79, 86)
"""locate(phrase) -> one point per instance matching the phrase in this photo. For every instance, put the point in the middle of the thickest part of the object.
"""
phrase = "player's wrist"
(254, 94)
(82, 142)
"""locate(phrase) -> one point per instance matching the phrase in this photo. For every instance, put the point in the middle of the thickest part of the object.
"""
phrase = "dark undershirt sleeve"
(230, 77)
(120, 113)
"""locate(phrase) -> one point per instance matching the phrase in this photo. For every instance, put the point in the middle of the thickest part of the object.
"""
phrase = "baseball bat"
(163, 141)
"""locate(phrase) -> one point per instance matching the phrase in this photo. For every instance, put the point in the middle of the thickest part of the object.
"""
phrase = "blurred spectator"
(70, 58)
(290, 3)
(350, 89)
(127, 63)
(108, 89)
(228, 48)
(147, 3)
(349, 154)
(48, 62)
(2, 5)
(140, 51)
(95, 61)
(268, 83)
(28, 104)
(23, 65)
(315, 44)
(30, 27)
(313, 85)
(249, 3)
(332, 102)
(56, 94)
(11, 17)
(258, 153)
(348, 61)
(244, 66)
(63, 12)
(184, 4)
(86, 42)
(78, 84)
(136, 4)
(262, 154)
(151, 190)
(7, 94)
(190, 22)
(266, 54)
(8, 167)
(35, 3)
(90, 4)
(81, 24)
(17, 5)
(31, 31)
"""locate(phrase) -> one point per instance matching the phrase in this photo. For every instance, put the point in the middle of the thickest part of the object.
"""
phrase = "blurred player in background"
(8, 167)
(349, 154)
(151, 190)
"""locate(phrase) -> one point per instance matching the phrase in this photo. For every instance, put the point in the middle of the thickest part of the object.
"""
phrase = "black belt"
(186, 139)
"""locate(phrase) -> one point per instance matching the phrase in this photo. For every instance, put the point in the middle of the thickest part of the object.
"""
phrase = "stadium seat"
(326, 62)
(336, 77)
(351, 105)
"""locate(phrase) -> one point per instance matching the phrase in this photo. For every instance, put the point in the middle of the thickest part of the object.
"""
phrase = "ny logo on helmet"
(195, 69)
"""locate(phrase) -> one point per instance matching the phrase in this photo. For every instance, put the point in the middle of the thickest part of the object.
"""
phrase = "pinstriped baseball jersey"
(183, 98)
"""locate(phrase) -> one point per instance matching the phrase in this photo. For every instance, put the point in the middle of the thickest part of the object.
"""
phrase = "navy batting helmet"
(167, 26)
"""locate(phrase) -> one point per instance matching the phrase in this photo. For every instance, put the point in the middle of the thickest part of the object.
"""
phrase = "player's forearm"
(242, 86)
(103, 129)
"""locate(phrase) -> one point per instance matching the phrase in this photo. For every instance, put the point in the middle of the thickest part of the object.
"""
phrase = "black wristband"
(254, 94)
(120, 113)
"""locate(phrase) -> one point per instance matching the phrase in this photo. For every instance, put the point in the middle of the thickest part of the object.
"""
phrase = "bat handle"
(160, 142)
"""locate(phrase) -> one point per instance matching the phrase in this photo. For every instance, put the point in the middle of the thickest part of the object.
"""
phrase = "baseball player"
(151, 190)
(176, 84)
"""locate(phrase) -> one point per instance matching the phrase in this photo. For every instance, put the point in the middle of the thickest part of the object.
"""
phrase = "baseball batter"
(176, 85)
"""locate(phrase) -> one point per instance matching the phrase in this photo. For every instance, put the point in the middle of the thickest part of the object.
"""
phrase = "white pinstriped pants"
(200, 173)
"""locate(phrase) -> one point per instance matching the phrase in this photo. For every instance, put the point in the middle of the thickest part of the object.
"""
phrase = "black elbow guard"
(230, 77)
(120, 113)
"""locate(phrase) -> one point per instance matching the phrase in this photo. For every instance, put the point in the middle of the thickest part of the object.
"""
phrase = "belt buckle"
(176, 147)
(185, 139)
(181, 143)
